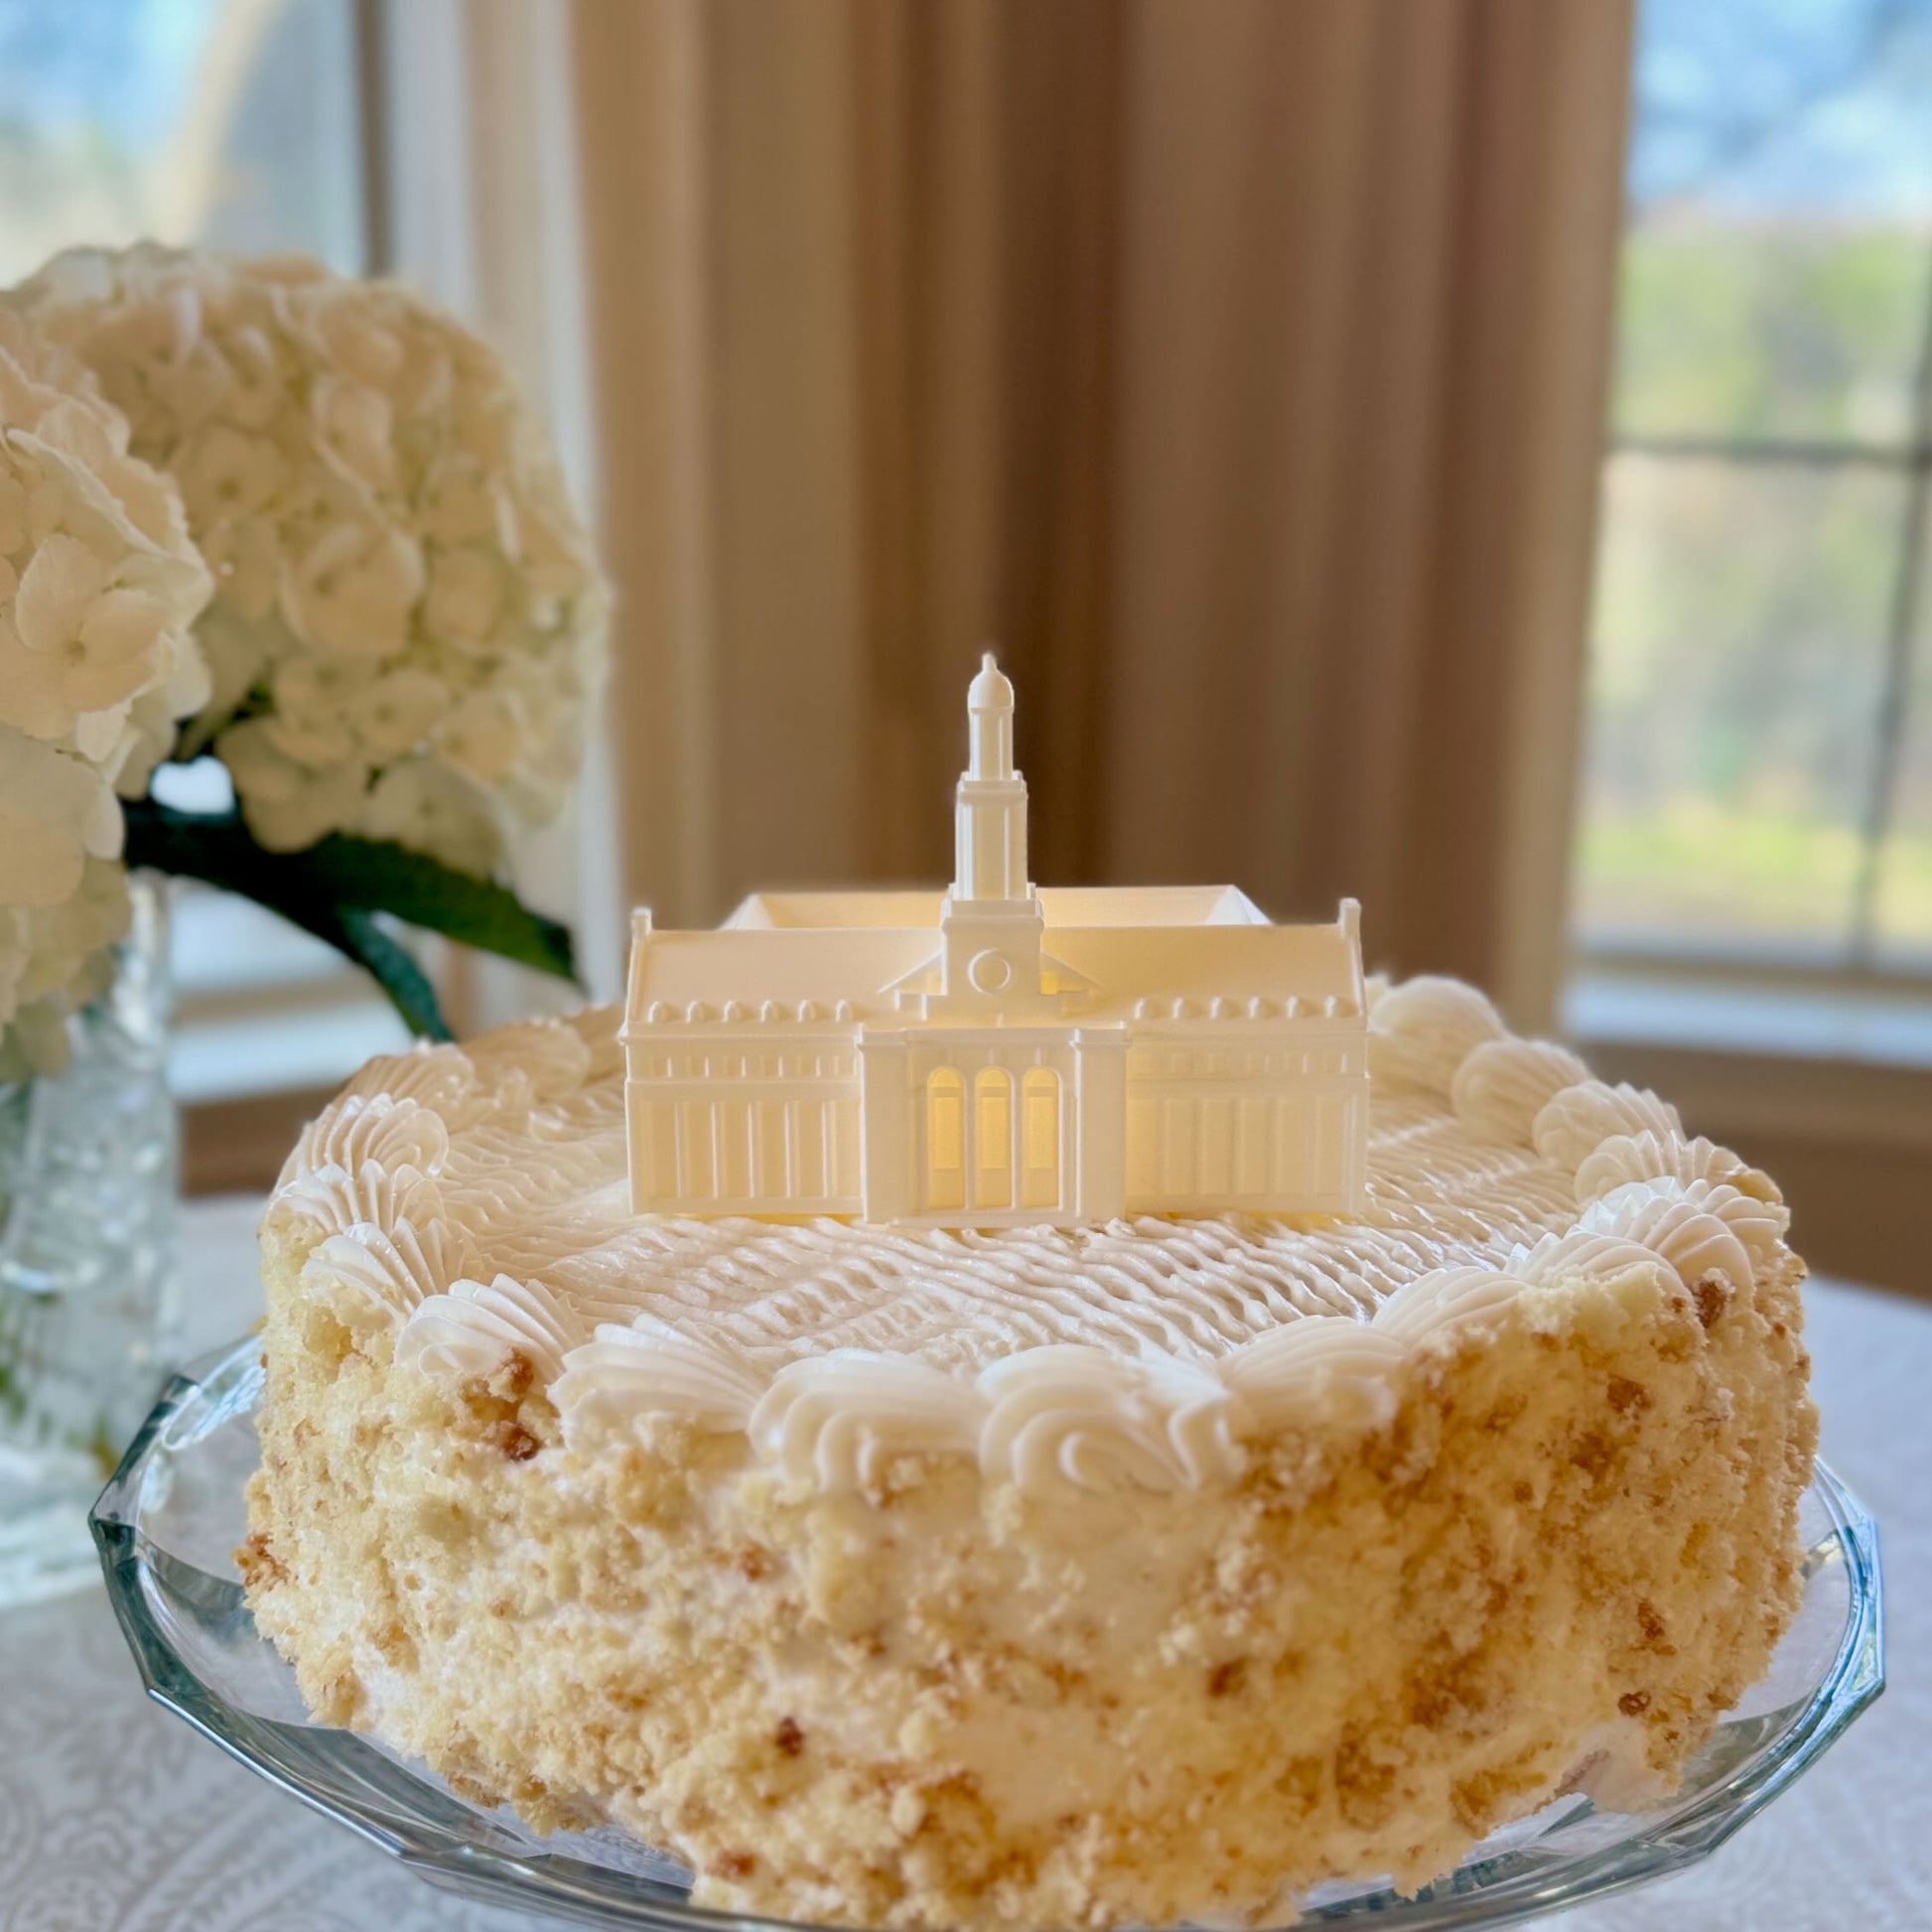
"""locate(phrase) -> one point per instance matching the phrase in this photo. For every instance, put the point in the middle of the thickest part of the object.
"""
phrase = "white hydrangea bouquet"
(305, 524)
(99, 588)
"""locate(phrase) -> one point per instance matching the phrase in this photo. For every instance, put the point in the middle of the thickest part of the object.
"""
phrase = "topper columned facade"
(996, 1054)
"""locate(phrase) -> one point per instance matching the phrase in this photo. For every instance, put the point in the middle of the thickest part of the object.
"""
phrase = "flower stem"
(17, 1307)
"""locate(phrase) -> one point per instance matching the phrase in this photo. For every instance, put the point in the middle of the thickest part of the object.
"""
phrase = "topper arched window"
(945, 1139)
(1039, 1138)
(993, 1137)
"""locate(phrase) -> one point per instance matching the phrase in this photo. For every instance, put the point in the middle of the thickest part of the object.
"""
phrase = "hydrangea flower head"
(406, 637)
(99, 590)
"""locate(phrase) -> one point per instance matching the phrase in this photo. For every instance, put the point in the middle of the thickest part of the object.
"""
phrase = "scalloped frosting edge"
(1658, 1212)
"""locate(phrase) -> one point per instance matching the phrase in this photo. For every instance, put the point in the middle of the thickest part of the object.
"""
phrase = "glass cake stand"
(166, 1525)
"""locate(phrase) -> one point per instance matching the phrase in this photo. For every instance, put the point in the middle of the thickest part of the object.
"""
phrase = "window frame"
(1820, 1068)
(1910, 461)
(1700, 961)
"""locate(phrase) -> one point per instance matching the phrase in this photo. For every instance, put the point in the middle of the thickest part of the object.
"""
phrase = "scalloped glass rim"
(166, 1523)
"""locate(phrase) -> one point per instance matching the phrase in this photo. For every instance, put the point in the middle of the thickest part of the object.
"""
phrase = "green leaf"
(392, 969)
(337, 887)
(424, 891)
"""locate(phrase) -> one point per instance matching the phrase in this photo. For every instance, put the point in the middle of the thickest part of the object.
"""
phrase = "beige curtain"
(1238, 367)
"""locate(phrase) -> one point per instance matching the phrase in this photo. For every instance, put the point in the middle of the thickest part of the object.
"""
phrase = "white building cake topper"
(996, 1054)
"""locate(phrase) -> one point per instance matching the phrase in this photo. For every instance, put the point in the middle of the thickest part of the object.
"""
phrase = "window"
(1039, 1105)
(234, 123)
(238, 124)
(993, 1137)
(945, 1140)
(1759, 789)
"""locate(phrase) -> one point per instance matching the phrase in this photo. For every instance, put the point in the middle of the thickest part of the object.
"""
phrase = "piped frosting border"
(1657, 1210)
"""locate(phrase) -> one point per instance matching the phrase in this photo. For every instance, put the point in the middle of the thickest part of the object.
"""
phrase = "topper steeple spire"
(989, 709)
(990, 804)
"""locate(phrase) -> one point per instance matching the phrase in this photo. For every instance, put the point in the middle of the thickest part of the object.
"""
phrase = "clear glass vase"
(89, 1163)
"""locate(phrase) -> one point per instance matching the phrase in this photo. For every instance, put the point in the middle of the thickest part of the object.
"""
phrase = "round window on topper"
(990, 971)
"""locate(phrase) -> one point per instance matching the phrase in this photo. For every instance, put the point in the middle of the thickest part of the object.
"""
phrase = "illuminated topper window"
(996, 1054)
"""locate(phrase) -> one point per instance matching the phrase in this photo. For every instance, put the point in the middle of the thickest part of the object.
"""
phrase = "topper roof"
(859, 964)
(1118, 907)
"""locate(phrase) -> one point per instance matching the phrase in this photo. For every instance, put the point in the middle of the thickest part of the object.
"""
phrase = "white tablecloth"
(115, 1818)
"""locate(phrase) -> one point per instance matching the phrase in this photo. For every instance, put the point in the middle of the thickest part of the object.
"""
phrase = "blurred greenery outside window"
(1757, 795)
(232, 124)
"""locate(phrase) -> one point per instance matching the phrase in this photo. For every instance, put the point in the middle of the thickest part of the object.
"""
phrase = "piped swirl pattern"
(473, 1203)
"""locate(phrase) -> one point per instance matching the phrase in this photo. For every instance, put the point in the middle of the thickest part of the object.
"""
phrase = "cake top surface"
(535, 1191)
(473, 1201)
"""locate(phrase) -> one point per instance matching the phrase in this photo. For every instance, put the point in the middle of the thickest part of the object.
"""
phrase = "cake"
(1149, 1572)
(1011, 1566)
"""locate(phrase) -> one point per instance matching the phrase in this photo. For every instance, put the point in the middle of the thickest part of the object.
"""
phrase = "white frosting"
(473, 1201)
(1448, 1299)
(1758, 1223)
(472, 1329)
(1582, 1255)
(1649, 1156)
(1579, 1119)
(1503, 1086)
(1692, 1235)
(1317, 1371)
(1071, 1417)
(1422, 1031)
(625, 1375)
(378, 1275)
(531, 1065)
(381, 1128)
(834, 1422)
(440, 1079)
(374, 1195)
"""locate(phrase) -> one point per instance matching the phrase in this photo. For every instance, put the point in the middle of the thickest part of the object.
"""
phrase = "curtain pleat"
(1237, 370)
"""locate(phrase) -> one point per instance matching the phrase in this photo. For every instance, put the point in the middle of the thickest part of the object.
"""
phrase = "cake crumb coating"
(1560, 1552)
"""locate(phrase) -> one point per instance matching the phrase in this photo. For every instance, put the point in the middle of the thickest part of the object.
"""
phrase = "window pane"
(1778, 261)
(1903, 908)
(225, 944)
(1738, 663)
(236, 124)
(230, 122)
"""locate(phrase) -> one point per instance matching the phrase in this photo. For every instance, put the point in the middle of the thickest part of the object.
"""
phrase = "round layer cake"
(1149, 1572)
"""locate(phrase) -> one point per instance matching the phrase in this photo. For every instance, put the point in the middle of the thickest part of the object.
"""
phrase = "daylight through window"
(1759, 769)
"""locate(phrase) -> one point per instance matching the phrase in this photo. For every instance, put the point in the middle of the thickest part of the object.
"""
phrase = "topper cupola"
(990, 803)
(989, 705)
